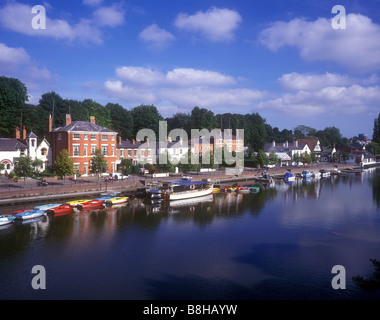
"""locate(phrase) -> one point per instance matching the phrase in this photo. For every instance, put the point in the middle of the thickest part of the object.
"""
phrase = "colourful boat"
(289, 176)
(117, 200)
(29, 214)
(243, 190)
(186, 189)
(91, 205)
(306, 174)
(76, 202)
(61, 210)
(224, 189)
(255, 189)
(47, 206)
(6, 220)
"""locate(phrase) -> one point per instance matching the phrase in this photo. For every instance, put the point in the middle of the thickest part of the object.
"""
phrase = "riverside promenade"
(28, 191)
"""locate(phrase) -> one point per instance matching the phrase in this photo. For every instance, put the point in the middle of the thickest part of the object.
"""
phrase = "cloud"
(330, 100)
(92, 3)
(355, 47)
(12, 58)
(215, 24)
(156, 36)
(182, 87)
(109, 16)
(18, 17)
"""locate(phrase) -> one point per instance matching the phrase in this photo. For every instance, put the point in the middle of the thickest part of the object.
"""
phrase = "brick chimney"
(92, 119)
(50, 123)
(68, 119)
(23, 133)
(119, 139)
(17, 135)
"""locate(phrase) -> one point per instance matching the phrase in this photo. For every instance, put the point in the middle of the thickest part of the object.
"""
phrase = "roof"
(11, 144)
(31, 135)
(311, 142)
(126, 144)
(83, 126)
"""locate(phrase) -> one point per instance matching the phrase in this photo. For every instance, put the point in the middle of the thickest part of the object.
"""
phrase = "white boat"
(47, 206)
(6, 220)
(186, 189)
(191, 201)
(316, 174)
(306, 174)
(30, 214)
(289, 176)
(324, 173)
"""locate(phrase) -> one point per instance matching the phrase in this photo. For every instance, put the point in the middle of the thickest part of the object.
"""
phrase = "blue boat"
(289, 176)
(30, 214)
(306, 174)
(6, 220)
(47, 206)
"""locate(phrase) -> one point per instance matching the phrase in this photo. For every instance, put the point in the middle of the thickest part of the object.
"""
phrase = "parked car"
(119, 176)
(143, 171)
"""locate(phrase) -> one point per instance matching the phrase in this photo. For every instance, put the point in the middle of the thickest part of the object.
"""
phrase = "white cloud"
(215, 24)
(17, 17)
(156, 36)
(12, 58)
(355, 47)
(140, 76)
(92, 3)
(330, 100)
(192, 77)
(109, 16)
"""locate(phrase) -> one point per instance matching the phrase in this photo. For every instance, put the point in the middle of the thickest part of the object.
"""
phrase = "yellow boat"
(216, 189)
(76, 202)
(117, 200)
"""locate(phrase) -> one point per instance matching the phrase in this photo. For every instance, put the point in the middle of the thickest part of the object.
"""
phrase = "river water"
(281, 243)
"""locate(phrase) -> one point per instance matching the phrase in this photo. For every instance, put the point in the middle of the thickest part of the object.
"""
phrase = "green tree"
(36, 163)
(13, 95)
(64, 165)
(23, 167)
(98, 163)
(373, 147)
(306, 158)
(101, 113)
(201, 118)
(314, 157)
(262, 158)
(273, 159)
(296, 158)
(145, 116)
(53, 104)
(126, 166)
(121, 120)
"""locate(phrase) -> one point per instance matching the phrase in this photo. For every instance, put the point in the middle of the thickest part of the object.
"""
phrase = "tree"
(314, 157)
(36, 163)
(64, 165)
(53, 104)
(262, 158)
(23, 167)
(376, 130)
(296, 158)
(306, 158)
(121, 120)
(13, 95)
(101, 113)
(373, 147)
(201, 118)
(272, 158)
(146, 117)
(98, 163)
(126, 166)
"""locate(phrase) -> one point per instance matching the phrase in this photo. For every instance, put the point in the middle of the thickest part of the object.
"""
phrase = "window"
(76, 136)
(59, 136)
(33, 142)
(76, 167)
(93, 136)
(75, 150)
(112, 150)
(85, 168)
(86, 137)
(93, 149)
(113, 138)
(122, 153)
(43, 152)
(105, 150)
(85, 150)
(104, 137)
(129, 153)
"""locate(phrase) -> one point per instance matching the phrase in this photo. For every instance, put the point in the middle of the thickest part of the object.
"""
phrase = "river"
(278, 244)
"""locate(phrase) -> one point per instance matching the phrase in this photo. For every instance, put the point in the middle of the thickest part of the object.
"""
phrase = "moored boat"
(243, 190)
(306, 174)
(289, 176)
(324, 173)
(265, 178)
(76, 202)
(216, 189)
(255, 189)
(117, 200)
(6, 219)
(91, 205)
(29, 214)
(47, 206)
(186, 189)
(316, 174)
(61, 210)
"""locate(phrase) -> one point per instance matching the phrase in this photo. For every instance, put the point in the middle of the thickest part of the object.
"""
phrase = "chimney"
(274, 144)
(169, 139)
(286, 144)
(18, 133)
(119, 139)
(92, 119)
(23, 133)
(133, 141)
(68, 119)
(296, 143)
(50, 123)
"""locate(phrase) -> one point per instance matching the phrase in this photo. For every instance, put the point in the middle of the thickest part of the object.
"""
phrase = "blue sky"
(282, 59)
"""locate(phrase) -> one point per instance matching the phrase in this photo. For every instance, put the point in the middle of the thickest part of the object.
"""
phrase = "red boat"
(91, 205)
(61, 210)
(15, 212)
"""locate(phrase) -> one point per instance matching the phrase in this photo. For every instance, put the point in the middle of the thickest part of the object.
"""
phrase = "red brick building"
(81, 139)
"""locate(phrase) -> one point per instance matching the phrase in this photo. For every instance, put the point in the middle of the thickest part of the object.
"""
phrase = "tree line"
(15, 111)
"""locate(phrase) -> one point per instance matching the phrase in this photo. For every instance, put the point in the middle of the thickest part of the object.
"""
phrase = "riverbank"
(88, 188)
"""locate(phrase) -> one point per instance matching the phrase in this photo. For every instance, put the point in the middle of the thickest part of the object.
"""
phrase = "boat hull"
(189, 194)
(29, 214)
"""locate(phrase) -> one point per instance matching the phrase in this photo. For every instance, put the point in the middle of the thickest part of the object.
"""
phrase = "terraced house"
(81, 139)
